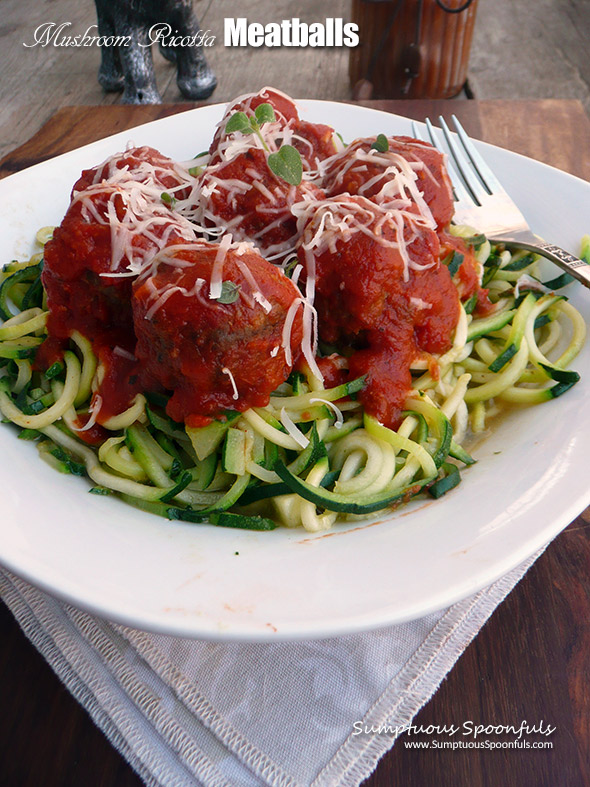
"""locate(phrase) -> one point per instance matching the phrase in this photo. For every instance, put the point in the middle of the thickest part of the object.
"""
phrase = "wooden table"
(530, 662)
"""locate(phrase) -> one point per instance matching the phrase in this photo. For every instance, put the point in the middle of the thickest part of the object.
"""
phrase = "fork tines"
(464, 163)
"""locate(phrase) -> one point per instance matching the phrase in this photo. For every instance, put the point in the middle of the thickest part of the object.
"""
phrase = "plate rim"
(187, 627)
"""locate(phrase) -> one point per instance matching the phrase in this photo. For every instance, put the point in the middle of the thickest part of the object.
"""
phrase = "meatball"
(381, 293)
(389, 177)
(145, 165)
(244, 197)
(218, 326)
(314, 141)
(115, 224)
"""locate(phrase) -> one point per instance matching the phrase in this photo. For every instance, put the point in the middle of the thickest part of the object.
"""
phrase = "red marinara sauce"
(365, 302)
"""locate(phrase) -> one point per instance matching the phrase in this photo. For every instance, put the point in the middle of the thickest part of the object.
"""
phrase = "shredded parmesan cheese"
(94, 410)
(337, 412)
(217, 272)
(293, 430)
(235, 394)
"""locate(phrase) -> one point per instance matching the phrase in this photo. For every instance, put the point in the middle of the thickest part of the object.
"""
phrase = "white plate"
(202, 581)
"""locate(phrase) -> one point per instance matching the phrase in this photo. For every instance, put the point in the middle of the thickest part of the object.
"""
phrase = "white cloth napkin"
(186, 712)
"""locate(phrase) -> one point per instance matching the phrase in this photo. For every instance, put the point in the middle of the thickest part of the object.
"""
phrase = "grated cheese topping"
(326, 222)
(397, 173)
(129, 202)
(235, 395)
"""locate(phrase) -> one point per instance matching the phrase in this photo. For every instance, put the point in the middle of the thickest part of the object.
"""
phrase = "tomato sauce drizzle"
(365, 303)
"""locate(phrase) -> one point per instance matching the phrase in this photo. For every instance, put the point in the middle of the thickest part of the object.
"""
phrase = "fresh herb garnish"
(230, 292)
(381, 144)
(264, 113)
(286, 164)
(168, 199)
(239, 121)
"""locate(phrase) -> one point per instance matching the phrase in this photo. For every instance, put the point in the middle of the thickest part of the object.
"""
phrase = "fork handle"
(573, 265)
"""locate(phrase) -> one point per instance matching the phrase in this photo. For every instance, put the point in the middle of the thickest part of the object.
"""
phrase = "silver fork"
(482, 202)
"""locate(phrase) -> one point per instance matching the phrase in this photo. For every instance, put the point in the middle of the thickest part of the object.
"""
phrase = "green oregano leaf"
(238, 122)
(381, 144)
(292, 263)
(168, 199)
(230, 292)
(286, 164)
(265, 114)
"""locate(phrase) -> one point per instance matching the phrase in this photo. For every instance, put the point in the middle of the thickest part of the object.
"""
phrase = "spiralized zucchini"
(312, 455)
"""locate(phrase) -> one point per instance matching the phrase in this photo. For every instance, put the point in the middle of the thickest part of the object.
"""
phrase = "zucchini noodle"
(311, 456)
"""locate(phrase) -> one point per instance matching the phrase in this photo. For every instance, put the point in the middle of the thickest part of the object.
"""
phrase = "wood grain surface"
(531, 661)
(391, 37)
(37, 81)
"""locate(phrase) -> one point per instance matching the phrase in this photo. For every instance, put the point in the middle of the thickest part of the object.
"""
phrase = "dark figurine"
(128, 65)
